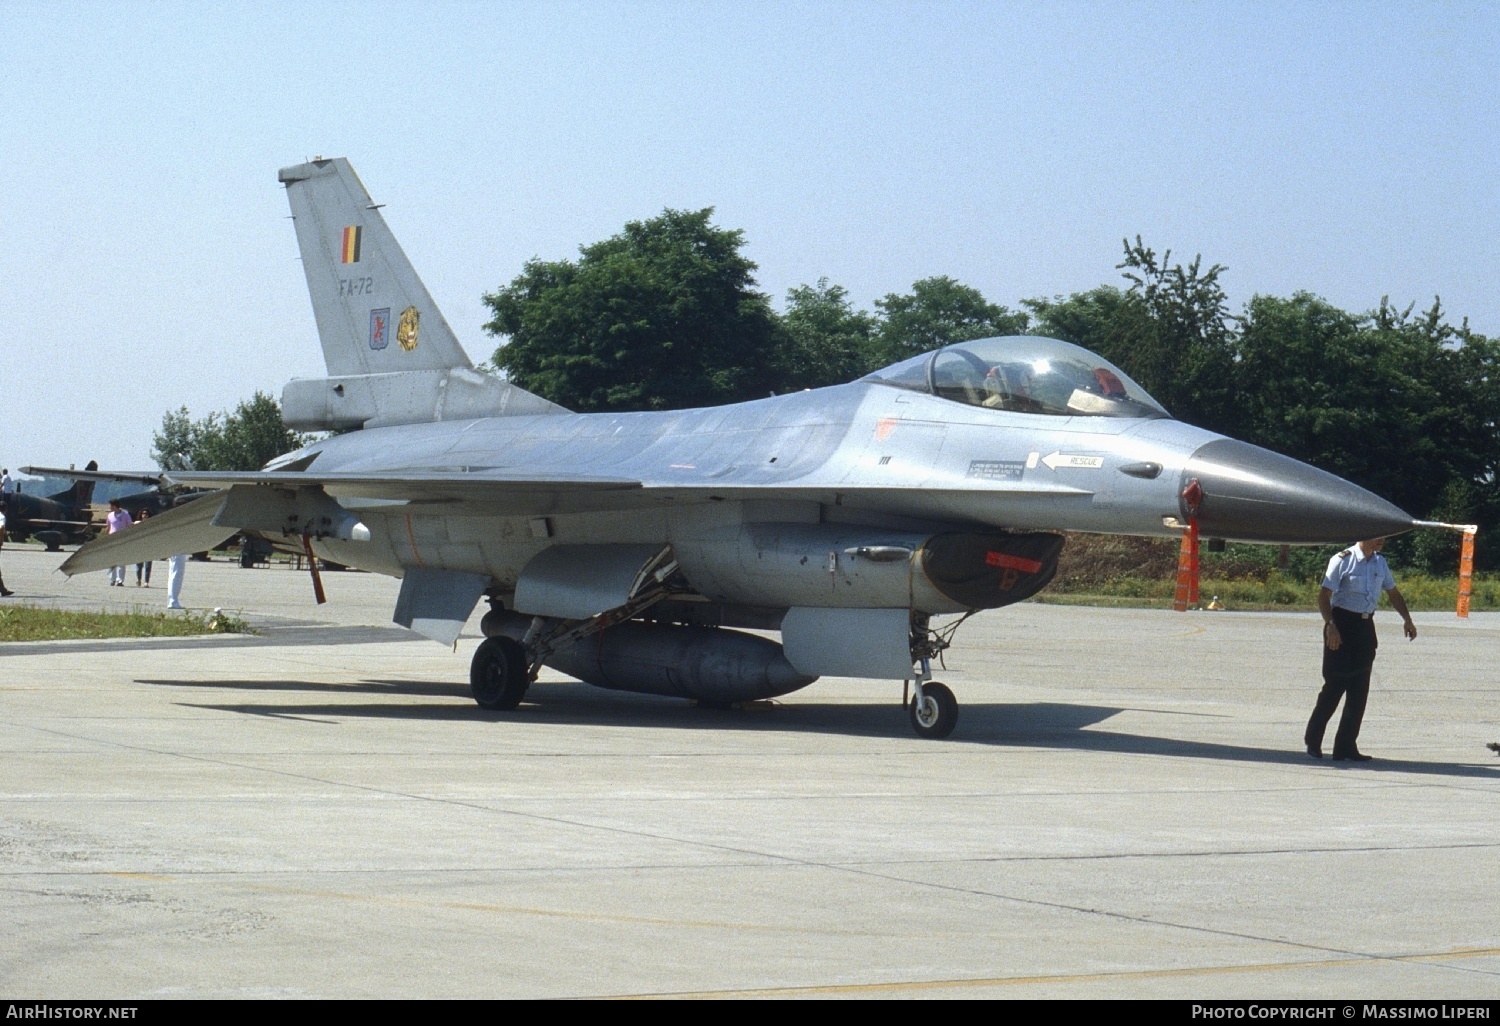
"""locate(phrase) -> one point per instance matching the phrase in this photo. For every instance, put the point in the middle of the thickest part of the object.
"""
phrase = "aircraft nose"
(1253, 494)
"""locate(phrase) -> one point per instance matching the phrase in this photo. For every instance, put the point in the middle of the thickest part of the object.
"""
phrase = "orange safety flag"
(1187, 569)
(1465, 574)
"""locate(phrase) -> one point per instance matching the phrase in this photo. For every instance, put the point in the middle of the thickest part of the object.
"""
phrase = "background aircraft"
(68, 517)
(64, 517)
(624, 549)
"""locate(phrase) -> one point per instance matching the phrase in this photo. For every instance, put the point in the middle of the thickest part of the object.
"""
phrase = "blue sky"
(1346, 149)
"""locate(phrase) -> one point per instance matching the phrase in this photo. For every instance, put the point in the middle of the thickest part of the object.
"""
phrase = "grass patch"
(31, 623)
(1276, 592)
(1102, 570)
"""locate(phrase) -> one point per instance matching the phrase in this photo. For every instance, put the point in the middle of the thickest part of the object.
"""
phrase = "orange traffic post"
(1193, 559)
(1187, 569)
(1466, 572)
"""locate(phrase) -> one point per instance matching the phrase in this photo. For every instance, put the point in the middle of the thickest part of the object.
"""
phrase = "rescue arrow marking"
(1062, 459)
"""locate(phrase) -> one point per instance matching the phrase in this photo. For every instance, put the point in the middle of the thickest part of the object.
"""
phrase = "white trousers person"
(175, 567)
(117, 576)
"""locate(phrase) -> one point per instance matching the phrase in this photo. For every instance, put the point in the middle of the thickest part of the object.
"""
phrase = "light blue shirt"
(1357, 580)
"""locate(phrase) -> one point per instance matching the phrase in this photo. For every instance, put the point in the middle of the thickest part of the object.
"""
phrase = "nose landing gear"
(933, 709)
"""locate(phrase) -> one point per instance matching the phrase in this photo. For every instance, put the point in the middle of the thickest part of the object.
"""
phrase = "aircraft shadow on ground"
(431, 689)
(304, 636)
(1022, 725)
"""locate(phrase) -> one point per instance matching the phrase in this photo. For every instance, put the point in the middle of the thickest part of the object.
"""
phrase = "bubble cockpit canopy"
(1024, 374)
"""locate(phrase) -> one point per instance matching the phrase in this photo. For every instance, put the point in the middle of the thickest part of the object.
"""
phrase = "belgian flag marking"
(349, 252)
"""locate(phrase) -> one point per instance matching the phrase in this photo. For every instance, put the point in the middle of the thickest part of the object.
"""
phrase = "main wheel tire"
(498, 675)
(938, 713)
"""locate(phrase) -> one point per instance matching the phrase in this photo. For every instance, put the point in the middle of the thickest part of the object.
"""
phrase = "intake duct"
(985, 571)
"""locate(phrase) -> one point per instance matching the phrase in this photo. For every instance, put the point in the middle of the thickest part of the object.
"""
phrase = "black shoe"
(1315, 751)
(6, 593)
(1352, 757)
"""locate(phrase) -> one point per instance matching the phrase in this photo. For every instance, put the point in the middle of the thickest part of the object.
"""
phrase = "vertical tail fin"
(82, 492)
(374, 314)
(391, 357)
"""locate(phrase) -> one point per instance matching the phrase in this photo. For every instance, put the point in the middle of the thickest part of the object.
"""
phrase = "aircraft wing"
(187, 528)
(503, 491)
(414, 486)
(523, 491)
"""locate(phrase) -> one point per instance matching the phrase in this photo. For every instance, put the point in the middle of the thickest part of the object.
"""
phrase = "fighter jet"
(634, 550)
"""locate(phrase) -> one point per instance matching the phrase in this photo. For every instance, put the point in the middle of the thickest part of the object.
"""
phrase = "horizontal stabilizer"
(188, 528)
(408, 397)
(149, 478)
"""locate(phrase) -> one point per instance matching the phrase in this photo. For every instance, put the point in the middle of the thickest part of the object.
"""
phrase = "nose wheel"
(934, 710)
(499, 674)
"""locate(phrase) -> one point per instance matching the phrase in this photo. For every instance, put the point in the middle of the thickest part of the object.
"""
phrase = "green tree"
(1183, 353)
(663, 315)
(1310, 382)
(172, 447)
(825, 341)
(246, 439)
(1404, 406)
(1106, 320)
(938, 312)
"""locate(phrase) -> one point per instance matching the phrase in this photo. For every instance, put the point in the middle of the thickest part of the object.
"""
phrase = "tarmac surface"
(1125, 810)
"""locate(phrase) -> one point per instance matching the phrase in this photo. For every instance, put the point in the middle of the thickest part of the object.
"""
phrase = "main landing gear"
(499, 674)
(503, 668)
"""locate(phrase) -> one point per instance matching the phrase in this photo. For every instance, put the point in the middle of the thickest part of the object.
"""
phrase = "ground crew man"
(1348, 599)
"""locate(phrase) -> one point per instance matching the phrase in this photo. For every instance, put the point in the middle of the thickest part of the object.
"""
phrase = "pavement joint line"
(546, 913)
(1022, 981)
(1234, 853)
(1140, 920)
(758, 863)
(1351, 957)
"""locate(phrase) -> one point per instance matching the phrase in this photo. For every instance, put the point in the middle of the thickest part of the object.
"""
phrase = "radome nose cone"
(1255, 495)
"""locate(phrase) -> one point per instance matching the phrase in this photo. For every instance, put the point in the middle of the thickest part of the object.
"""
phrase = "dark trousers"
(1346, 675)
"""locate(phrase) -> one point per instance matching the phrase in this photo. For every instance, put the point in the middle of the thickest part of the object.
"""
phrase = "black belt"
(1350, 612)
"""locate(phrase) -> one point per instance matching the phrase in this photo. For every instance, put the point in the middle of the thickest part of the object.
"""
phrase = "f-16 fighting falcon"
(626, 548)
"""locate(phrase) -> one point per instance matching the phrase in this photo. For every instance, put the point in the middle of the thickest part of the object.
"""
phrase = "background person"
(117, 520)
(175, 567)
(146, 566)
(4, 591)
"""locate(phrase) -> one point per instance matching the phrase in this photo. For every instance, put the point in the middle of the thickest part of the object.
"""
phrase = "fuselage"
(865, 455)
